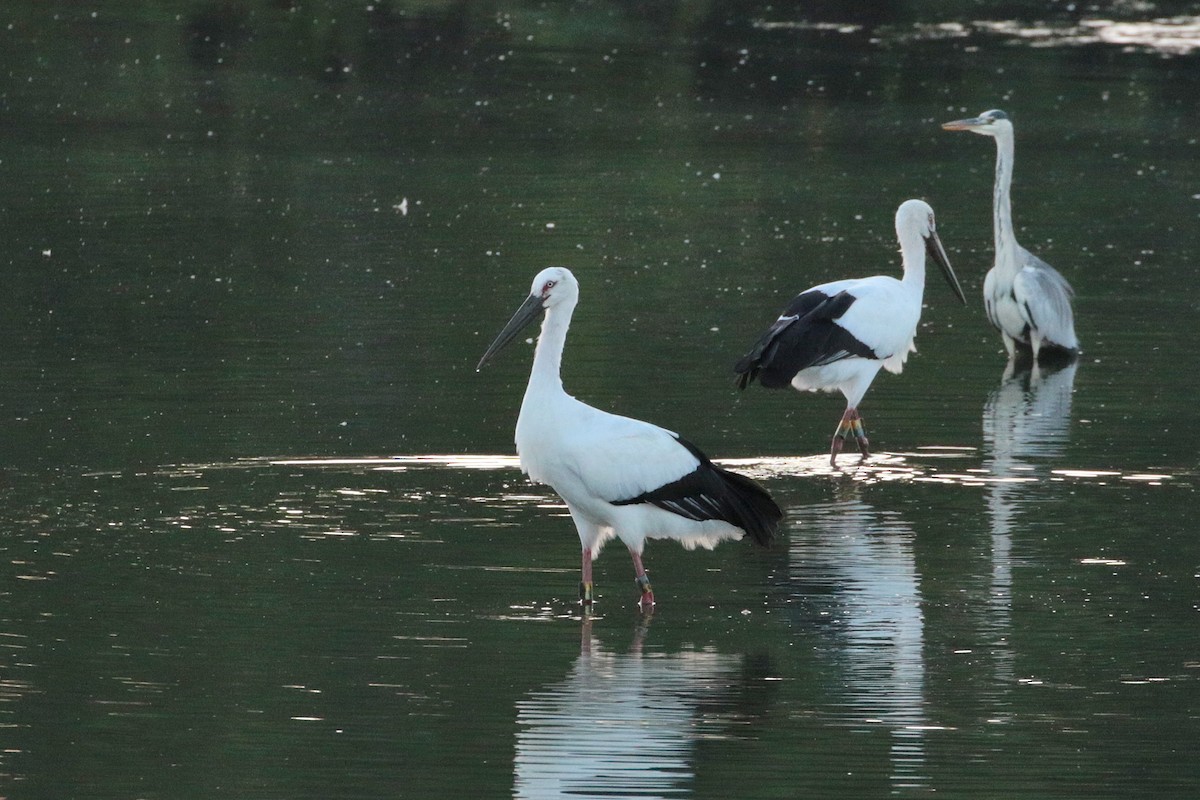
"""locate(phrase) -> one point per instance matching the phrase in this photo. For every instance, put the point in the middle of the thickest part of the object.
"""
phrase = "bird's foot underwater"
(646, 603)
(863, 448)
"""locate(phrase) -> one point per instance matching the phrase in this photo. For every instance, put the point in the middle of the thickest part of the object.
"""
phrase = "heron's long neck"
(547, 358)
(1001, 202)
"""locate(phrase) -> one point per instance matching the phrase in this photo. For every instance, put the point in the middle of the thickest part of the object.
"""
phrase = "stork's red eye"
(549, 285)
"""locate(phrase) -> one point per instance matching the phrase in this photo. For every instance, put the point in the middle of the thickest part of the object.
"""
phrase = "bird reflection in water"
(857, 566)
(1028, 417)
(622, 724)
(1026, 422)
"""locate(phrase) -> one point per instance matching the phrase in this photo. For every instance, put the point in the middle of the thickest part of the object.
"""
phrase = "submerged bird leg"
(835, 448)
(586, 592)
(643, 582)
(1010, 344)
(845, 430)
(860, 434)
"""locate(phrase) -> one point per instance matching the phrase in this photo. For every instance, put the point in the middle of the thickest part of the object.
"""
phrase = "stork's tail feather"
(710, 492)
(749, 365)
(753, 509)
(746, 375)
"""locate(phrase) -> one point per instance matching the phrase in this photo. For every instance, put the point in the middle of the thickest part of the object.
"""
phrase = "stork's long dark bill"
(934, 249)
(529, 311)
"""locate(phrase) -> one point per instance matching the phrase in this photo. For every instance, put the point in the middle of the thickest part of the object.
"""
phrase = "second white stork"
(619, 476)
(1027, 300)
(838, 335)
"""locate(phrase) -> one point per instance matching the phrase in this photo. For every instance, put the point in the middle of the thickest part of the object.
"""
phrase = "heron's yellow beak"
(963, 124)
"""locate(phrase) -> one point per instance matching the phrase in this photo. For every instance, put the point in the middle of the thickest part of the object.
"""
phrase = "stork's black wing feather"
(805, 335)
(710, 492)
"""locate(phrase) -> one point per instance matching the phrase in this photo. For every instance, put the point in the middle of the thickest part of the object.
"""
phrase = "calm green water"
(261, 528)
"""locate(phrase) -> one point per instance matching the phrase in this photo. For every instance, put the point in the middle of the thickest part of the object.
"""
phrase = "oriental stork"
(619, 476)
(837, 335)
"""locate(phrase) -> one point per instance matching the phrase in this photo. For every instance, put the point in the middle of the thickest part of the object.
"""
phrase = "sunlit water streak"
(921, 465)
(1174, 36)
(431, 495)
(447, 461)
(1167, 36)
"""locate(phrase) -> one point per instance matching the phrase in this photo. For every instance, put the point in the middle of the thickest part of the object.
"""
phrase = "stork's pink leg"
(860, 434)
(849, 425)
(841, 434)
(834, 449)
(643, 582)
(586, 593)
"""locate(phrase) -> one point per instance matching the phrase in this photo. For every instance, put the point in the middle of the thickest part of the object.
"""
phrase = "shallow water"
(264, 534)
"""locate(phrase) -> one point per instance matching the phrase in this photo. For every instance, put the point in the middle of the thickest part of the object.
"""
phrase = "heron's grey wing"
(1045, 298)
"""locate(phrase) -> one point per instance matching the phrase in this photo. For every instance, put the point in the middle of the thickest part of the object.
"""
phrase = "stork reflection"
(860, 560)
(621, 724)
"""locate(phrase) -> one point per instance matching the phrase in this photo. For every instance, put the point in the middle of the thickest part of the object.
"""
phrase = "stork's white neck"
(912, 254)
(547, 358)
(1006, 240)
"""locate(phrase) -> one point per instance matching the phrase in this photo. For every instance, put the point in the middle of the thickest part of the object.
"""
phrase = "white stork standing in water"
(619, 476)
(837, 335)
(1027, 300)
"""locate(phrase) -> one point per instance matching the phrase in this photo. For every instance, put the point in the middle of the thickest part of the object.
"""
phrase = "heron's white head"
(555, 286)
(992, 123)
(916, 227)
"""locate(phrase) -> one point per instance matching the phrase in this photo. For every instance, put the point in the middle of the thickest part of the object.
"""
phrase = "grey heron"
(1027, 300)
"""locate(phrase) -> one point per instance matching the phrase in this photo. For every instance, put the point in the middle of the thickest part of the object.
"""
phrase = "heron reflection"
(860, 560)
(1026, 421)
(1028, 417)
(621, 724)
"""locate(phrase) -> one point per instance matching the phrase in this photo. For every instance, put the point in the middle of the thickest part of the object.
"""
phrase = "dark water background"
(262, 531)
